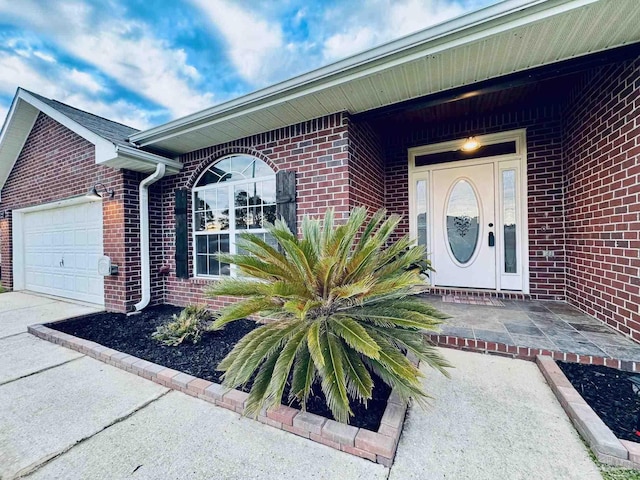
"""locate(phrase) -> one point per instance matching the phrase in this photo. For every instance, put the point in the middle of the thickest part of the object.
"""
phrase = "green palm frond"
(345, 312)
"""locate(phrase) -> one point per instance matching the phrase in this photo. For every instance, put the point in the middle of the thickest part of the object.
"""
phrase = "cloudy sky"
(144, 62)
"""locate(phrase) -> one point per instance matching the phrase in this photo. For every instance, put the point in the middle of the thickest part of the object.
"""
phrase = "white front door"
(464, 249)
(471, 213)
(61, 250)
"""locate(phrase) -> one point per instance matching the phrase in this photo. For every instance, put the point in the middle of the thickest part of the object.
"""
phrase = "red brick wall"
(316, 150)
(56, 164)
(366, 167)
(545, 207)
(602, 168)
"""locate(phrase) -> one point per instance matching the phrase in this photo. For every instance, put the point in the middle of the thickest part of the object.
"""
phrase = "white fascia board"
(458, 31)
(122, 151)
(104, 147)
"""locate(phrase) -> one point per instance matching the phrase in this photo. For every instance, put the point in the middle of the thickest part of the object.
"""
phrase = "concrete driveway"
(64, 415)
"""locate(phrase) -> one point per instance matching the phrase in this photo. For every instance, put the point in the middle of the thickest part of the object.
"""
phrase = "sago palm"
(342, 305)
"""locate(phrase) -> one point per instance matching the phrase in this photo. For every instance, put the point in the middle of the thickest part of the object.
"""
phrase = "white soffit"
(509, 37)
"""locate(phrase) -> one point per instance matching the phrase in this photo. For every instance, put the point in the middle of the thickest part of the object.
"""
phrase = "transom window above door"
(234, 195)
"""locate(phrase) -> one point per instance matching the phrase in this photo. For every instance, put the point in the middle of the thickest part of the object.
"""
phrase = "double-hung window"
(236, 194)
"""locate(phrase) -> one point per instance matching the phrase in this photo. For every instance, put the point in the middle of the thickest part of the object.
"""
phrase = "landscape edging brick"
(602, 441)
(379, 447)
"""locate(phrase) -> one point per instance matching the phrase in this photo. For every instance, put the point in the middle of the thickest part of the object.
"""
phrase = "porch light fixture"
(99, 190)
(470, 144)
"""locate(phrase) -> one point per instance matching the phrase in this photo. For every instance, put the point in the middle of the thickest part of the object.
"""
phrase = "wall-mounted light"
(99, 190)
(470, 144)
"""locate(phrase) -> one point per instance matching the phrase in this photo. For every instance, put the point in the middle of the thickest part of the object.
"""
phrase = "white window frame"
(232, 231)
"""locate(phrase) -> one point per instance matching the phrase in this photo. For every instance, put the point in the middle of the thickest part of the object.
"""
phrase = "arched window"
(235, 195)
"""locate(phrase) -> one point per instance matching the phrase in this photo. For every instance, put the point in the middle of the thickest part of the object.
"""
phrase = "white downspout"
(145, 271)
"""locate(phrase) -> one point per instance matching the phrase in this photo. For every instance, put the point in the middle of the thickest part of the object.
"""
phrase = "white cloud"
(68, 86)
(255, 44)
(381, 21)
(86, 81)
(44, 56)
(123, 49)
(259, 48)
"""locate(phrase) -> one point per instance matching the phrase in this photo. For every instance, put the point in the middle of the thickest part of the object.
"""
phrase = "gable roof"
(505, 38)
(107, 129)
(109, 138)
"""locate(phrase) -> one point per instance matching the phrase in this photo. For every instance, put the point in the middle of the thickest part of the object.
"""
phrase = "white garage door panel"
(61, 251)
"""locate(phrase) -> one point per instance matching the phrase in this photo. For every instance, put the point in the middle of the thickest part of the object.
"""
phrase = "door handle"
(492, 239)
(62, 262)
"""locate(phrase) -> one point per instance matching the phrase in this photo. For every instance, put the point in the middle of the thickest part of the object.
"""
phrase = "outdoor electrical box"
(105, 267)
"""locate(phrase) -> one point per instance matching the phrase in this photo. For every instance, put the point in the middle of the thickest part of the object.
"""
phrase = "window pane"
(270, 240)
(222, 198)
(209, 177)
(210, 223)
(254, 219)
(222, 219)
(509, 217)
(454, 155)
(201, 265)
(421, 207)
(254, 194)
(239, 251)
(241, 218)
(262, 169)
(463, 214)
(224, 243)
(269, 192)
(199, 222)
(225, 269)
(210, 199)
(241, 196)
(199, 200)
(213, 243)
(201, 244)
(243, 164)
(214, 265)
(269, 213)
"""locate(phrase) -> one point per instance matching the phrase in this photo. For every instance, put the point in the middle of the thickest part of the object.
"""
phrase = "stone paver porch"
(524, 329)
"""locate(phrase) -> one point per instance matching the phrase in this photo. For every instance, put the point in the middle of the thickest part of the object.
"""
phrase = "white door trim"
(517, 161)
(17, 234)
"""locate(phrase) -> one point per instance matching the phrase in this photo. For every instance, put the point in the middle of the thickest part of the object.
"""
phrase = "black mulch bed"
(132, 335)
(610, 392)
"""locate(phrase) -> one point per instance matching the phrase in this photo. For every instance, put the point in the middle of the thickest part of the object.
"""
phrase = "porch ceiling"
(512, 36)
(546, 92)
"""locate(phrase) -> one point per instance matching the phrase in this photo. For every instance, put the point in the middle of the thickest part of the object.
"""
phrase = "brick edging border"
(528, 353)
(605, 445)
(379, 447)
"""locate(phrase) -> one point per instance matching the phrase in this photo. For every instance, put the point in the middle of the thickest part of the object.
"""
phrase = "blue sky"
(144, 62)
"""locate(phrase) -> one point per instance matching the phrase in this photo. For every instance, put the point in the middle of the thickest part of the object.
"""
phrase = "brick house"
(509, 140)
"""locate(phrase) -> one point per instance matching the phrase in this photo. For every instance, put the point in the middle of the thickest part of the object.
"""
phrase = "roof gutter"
(132, 153)
(457, 31)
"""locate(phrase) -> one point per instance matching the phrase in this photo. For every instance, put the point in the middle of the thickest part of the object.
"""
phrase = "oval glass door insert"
(463, 220)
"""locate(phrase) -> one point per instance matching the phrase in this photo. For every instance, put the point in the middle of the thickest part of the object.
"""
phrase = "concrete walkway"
(495, 419)
(64, 415)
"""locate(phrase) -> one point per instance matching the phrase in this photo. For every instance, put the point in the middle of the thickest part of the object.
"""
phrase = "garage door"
(61, 251)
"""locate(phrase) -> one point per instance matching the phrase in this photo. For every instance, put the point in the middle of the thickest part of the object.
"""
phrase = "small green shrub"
(189, 325)
(3, 290)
